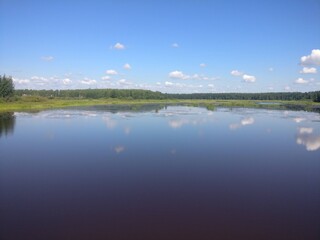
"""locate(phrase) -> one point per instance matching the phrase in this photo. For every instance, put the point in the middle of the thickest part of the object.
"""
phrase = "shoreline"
(45, 104)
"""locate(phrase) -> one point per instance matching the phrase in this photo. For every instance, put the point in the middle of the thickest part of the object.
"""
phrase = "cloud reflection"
(244, 122)
(111, 123)
(119, 149)
(299, 119)
(309, 140)
(177, 123)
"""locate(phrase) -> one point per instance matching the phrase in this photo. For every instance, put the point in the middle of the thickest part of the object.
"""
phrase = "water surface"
(160, 173)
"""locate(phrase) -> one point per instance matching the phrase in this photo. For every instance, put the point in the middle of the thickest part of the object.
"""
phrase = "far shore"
(44, 104)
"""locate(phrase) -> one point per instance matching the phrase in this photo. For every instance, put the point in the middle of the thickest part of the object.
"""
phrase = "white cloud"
(175, 45)
(210, 85)
(306, 70)
(21, 81)
(271, 69)
(119, 46)
(312, 59)
(301, 81)
(111, 72)
(47, 58)
(88, 81)
(249, 78)
(287, 88)
(106, 78)
(203, 65)
(236, 73)
(38, 78)
(178, 75)
(127, 66)
(168, 84)
(124, 82)
(158, 83)
(182, 76)
(66, 81)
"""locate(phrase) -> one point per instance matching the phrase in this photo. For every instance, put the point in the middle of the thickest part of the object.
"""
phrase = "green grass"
(40, 103)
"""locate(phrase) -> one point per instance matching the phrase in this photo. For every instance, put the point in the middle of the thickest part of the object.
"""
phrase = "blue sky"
(168, 46)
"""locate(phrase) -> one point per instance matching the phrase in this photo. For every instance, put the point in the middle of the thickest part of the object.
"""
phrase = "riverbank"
(35, 104)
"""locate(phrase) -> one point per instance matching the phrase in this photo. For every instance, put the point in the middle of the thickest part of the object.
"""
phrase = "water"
(160, 173)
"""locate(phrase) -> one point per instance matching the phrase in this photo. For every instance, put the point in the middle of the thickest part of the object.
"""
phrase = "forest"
(147, 94)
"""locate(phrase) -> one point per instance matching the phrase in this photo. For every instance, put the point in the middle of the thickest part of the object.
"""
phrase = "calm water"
(172, 173)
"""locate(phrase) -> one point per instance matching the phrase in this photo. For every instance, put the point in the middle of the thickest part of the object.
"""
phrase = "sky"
(177, 46)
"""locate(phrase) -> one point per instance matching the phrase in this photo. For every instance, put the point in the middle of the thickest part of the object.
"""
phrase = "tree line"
(7, 90)
(147, 94)
(6, 87)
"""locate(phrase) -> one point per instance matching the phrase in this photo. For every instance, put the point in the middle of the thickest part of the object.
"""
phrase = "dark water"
(174, 173)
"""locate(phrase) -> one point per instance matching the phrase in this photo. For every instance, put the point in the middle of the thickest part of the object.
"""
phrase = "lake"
(154, 172)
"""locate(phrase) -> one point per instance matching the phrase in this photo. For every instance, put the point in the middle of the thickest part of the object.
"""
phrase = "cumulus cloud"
(66, 81)
(312, 59)
(127, 66)
(182, 76)
(168, 84)
(21, 81)
(287, 88)
(119, 46)
(106, 78)
(111, 72)
(175, 45)
(47, 58)
(88, 81)
(124, 82)
(249, 78)
(236, 73)
(178, 75)
(301, 81)
(307, 70)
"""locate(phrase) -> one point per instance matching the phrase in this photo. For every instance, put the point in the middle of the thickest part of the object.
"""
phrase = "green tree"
(6, 86)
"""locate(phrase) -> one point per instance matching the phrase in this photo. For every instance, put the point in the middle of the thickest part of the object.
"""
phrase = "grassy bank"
(40, 103)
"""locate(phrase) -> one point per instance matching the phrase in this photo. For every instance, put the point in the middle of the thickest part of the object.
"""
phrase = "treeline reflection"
(7, 123)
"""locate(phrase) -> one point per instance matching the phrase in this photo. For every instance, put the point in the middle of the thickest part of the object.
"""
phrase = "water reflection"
(119, 149)
(111, 123)
(299, 119)
(244, 122)
(7, 123)
(156, 173)
(307, 138)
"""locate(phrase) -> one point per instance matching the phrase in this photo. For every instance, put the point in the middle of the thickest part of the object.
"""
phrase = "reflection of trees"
(125, 108)
(7, 122)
